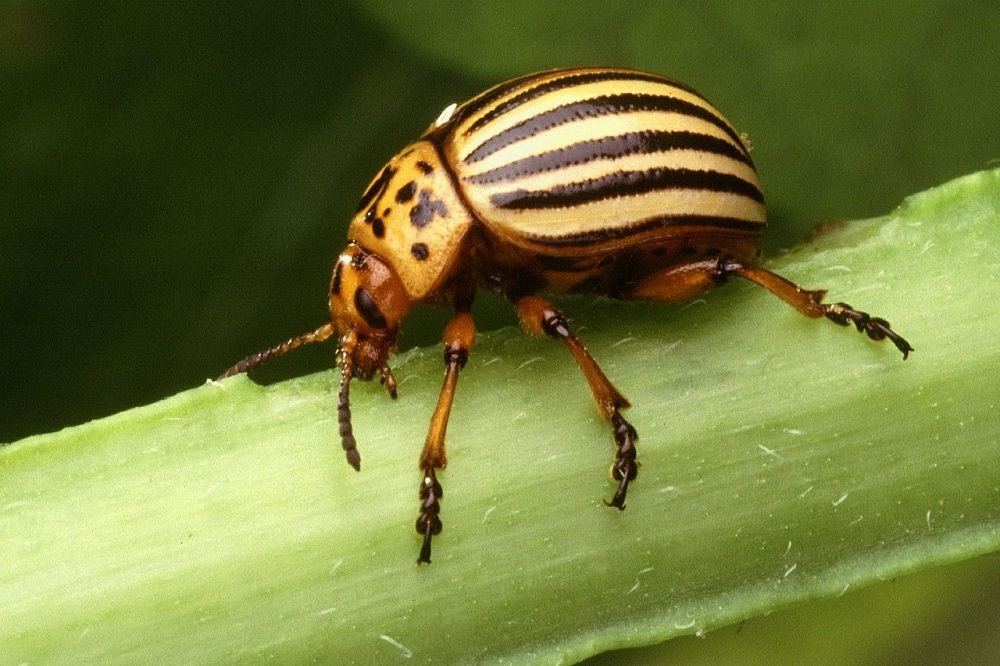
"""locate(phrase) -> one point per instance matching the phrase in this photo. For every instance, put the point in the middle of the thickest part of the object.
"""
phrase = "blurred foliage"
(176, 178)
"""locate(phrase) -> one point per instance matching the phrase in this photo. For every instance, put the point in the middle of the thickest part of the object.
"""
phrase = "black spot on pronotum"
(425, 210)
(365, 305)
(424, 167)
(419, 251)
(378, 227)
(376, 188)
(406, 192)
(335, 288)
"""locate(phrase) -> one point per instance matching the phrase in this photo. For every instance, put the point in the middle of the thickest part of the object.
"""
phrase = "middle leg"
(540, 318)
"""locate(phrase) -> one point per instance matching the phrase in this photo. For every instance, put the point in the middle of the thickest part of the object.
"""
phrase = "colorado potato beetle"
(587, 180)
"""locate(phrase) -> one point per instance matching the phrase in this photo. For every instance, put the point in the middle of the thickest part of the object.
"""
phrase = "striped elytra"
(593, 180)
(602, 155)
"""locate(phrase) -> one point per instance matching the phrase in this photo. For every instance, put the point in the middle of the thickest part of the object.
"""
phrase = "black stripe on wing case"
(568, 80)
(623, 184)
(607, 148)
(590, 108)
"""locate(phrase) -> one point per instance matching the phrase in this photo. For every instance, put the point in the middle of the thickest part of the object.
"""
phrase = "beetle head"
(367, 303)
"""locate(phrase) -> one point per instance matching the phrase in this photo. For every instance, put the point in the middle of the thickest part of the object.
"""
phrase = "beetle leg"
(540, 318)
(684, 281)
(810, 304)
(459, 336)
(677, 283)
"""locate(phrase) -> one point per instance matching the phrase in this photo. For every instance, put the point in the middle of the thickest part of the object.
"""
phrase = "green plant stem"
(783, 459)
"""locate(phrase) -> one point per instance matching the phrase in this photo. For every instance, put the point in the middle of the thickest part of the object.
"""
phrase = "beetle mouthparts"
(388, 380)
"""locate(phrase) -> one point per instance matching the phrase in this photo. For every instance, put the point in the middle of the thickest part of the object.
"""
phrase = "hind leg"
(681, 282)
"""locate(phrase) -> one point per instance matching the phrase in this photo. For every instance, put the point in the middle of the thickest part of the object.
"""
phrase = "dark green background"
(175, 180)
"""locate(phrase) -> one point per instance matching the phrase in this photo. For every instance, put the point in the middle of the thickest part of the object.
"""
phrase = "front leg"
(459, 336)
(540, 318)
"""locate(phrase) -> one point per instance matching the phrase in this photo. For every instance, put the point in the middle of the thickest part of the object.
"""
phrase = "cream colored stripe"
(593, 128)
(618, 212)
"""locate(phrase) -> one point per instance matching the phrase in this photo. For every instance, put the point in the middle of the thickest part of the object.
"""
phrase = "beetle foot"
(428, 523)
(875, 328)
(625, 467)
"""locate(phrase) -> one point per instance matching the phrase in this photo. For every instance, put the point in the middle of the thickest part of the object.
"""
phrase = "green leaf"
(783, 459)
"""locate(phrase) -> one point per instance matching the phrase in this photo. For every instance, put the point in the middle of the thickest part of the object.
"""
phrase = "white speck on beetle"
(404, 651)
(839, 500)
(446, 114)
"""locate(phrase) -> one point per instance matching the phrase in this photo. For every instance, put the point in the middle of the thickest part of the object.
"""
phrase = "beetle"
(586, 180)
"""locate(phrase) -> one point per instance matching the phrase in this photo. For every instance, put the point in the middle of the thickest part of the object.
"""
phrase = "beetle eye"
(366, 307)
